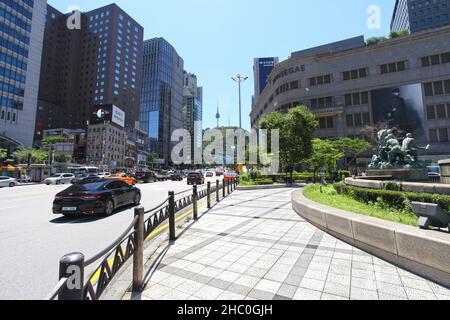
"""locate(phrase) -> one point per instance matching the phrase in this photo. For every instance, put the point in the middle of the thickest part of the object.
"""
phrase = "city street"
(32, 239)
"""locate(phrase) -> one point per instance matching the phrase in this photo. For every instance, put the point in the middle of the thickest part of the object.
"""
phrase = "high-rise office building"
(193, 111)
(420, 15)
(262, 67)
(21, 35)
(162, 95)
(98, 63)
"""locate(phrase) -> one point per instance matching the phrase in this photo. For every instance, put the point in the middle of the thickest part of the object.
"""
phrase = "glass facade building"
(21, 39)
(420, 15)
(193, 111)
(162, 95)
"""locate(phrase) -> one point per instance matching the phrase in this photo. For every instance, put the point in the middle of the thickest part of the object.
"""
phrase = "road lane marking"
(8, 208)
(24, 199)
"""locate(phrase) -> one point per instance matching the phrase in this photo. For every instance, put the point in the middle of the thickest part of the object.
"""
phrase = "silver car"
(7, 182)
(60, 178)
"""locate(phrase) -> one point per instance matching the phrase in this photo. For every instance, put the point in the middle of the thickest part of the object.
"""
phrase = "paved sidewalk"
(254, 246)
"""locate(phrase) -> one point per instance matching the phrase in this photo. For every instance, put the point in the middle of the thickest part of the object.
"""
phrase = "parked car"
(176, 177)
(210, 174)
(195, 178)
(59, 178)
(146, 177)
(103, 196)
(8, 182)
(219, 173)
(123, 177)
(85, 177)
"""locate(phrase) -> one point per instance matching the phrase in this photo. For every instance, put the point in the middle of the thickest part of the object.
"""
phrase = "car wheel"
(12, 185)
(58, 183)
(109, 207)
(137, 199)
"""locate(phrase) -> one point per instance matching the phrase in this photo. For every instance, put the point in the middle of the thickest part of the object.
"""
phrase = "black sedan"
(103, 196)
(195, 178)
(176, 177)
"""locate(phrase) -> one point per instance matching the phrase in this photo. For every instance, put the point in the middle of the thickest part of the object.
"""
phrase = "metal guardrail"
(130, 243)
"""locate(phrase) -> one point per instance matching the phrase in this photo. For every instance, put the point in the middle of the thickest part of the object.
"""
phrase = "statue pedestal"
(400, 174)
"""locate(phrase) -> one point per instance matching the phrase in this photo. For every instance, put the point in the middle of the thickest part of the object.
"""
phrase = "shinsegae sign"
(287, 72)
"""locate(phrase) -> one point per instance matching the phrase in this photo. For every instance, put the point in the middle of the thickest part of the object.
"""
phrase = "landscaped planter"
(423, 252)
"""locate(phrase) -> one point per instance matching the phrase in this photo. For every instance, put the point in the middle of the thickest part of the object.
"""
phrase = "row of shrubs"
(297, 176)
(393, 198)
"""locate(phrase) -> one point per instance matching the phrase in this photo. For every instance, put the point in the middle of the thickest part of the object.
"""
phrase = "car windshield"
(55, 175)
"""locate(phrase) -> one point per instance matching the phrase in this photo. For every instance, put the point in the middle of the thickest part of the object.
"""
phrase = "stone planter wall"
(426, 253)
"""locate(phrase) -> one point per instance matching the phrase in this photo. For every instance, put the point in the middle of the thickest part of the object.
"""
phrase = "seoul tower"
(218, 114)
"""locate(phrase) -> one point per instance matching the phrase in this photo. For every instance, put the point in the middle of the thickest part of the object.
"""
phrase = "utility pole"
(239, 79)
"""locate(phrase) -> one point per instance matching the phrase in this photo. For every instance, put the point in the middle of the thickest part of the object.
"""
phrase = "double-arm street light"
(239, 79)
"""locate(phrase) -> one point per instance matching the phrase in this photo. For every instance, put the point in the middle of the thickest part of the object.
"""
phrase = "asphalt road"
(32, 239)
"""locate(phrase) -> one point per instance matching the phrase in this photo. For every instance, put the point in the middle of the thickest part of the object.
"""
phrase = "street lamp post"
(239, 79)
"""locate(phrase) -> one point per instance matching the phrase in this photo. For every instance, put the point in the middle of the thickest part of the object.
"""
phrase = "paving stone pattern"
(253, 246)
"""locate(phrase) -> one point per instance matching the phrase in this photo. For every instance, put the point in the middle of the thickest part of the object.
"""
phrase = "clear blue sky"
(219, 38)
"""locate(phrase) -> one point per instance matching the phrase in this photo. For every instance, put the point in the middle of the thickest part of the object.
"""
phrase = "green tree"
(325, 155)
(352, 147)
(37, 156)
(397, 34)
(52, 141)
(62, 157)
(3, 155)
(296, 134)
(151, 159)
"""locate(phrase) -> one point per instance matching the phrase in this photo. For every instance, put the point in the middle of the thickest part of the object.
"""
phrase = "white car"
(7, 182)
(60, 178)
(104, 174)
(25, 179)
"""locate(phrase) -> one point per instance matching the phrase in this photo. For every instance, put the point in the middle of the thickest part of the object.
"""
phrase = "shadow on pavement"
(79, 219)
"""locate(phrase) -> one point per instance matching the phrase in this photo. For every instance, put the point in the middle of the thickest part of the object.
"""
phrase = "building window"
(433, 136)
(438, 88)
(440, 111)
(350, 120)
(393, 67)
(431, 114)
(428, 89)
(443, 135)
(320, 80)
(356, 99)
(326, 123)
(354, 74)
(435, 59)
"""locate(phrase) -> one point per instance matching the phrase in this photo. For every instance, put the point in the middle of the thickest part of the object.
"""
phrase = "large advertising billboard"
(118, 116)
(108, 112)
(265, 66)
(400, 107)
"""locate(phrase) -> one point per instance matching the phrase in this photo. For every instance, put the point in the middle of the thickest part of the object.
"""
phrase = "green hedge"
(394, 199)
(262, 182)
(297, 176)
